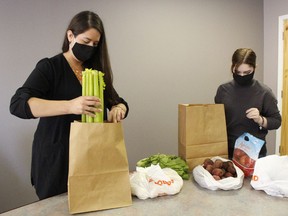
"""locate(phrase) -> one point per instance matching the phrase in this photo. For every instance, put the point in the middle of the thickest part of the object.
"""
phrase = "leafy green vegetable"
(167, 161)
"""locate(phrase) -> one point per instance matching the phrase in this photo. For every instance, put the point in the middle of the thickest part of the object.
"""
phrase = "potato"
(246, 161)
(225, 165)
(228, 174)
(243, 160)
(231, 169)
(207, 161)
(218, 172)
(238, 153)
(209, 168)
(218, 163)
(216, 177)
(230, 163)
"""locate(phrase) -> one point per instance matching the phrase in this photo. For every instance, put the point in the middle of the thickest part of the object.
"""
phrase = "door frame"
(280, 75)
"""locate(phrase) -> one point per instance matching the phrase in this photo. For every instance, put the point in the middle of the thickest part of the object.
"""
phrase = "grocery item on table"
(218, 173)
(270, 175)
(153, 181)
(220, 169)
(246, 152)
(167, 161)
(202, 132)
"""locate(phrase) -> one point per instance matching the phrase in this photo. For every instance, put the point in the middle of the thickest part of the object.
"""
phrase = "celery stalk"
(90, 91)
(83, 116)
(96, 91)
(101, 94)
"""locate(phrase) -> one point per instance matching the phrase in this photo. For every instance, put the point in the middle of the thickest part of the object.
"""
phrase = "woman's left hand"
(117, 113)
(253, 113)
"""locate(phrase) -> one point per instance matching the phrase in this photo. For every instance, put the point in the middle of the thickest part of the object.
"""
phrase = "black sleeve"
(36, 85)
(116, 100)
(271, 112)
(217, 98)
(19, 104)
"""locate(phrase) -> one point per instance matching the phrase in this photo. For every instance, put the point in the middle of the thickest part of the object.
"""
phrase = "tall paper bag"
(98, 168)
(201, 132)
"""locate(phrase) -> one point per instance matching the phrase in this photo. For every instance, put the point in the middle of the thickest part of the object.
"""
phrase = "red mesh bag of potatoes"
(246, 152)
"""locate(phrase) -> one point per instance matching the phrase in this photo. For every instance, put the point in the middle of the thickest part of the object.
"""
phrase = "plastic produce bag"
(151, 182)
(206, 180)
(271, 175)
(246, 152)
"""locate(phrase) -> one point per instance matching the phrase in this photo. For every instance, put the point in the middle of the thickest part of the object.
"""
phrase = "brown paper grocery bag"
(201, 132)
(98, 168)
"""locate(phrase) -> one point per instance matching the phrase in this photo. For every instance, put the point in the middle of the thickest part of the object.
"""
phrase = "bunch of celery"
(93, 85)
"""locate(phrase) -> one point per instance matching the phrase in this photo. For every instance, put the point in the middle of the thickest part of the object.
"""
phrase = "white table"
(192, 200)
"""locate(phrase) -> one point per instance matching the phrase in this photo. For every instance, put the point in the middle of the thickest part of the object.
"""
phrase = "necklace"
(76, 68)
(78, 74)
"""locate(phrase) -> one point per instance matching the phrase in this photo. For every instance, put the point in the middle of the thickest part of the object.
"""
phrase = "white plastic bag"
(206, 180)
(271, 175)
(151, 182)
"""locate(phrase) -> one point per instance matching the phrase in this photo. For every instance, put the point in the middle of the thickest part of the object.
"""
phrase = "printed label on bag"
(255, 178)
(161, 182)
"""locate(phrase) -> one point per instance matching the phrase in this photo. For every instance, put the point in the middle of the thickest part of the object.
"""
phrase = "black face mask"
(243, 80)
(83, 52)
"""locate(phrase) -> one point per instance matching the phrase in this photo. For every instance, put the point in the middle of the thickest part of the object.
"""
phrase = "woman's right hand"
(88, 105)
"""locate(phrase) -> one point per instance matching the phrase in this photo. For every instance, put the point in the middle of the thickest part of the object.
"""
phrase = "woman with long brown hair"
(52, 93)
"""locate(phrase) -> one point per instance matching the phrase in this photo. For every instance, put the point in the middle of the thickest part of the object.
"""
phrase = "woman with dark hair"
(52, 93)
(250, 106)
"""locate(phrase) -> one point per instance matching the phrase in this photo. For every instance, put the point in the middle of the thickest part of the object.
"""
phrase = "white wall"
(163, 52)
(272, 11)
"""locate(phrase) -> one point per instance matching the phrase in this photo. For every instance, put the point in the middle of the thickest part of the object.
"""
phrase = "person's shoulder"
(226, 85)
(49, 61)
(58, 57)
(262, 86)
(265, 90)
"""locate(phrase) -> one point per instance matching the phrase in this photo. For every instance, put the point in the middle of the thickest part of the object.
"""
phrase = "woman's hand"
(88, 105)
(117, 113)
(253, 113)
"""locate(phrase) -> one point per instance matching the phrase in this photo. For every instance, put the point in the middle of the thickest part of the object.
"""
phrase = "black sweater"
(237, 99)
(52, 79)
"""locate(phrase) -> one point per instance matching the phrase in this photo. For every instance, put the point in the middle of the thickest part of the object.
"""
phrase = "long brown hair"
(82, 22)
(243, 56)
